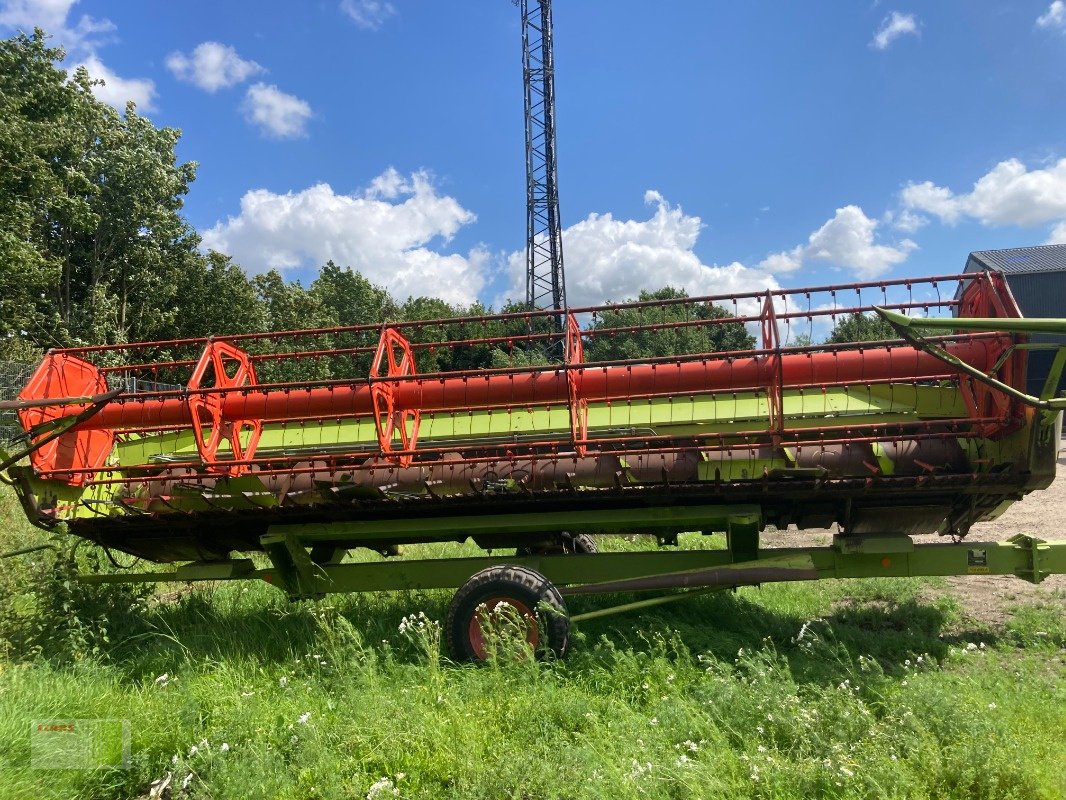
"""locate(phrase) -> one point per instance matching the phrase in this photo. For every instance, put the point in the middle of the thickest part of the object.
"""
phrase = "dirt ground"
(990, 599)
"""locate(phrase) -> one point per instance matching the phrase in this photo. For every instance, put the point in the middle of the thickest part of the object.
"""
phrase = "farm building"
(1037, 279)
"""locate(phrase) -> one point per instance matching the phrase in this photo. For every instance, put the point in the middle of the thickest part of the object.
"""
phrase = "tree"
(348, 298)
(860, 327)
(92, 241)
(43, 129)
(288, 306)
(213, 297)
(603, 345)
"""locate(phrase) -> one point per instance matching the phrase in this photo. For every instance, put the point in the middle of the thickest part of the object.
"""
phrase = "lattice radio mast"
(545, 280)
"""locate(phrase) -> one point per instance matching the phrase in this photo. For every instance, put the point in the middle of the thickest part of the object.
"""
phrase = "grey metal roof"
(1045, 258)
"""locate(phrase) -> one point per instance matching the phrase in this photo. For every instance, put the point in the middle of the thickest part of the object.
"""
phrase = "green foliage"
(93, 240)
(215, 297)
(604, 346)
(62, 620)
(335, 698)
(288, 306)
(860, 327)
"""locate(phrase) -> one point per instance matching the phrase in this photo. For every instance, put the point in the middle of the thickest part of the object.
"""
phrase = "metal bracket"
(904, 326)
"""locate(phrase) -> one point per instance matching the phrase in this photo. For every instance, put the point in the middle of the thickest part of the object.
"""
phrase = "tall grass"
(844, 689)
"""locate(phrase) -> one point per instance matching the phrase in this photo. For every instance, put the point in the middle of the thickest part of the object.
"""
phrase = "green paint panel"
(699, 414)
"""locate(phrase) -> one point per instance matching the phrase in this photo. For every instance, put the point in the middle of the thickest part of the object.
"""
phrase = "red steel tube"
(594, 384)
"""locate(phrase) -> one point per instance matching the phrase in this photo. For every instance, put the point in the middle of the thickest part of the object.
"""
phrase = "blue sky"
(717, 146)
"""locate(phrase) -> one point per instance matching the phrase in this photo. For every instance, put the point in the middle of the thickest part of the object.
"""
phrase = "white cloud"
(116, 91)
(368, 14)
(212, 66)
(1054, 17)
(1058, 234)
(384, 232)
(892, 27)
(611, 259)
(80, 40)
(909, 222)
(1009, 194)
(51, 16)
(278, 114)
(848, 241)
(48, 14)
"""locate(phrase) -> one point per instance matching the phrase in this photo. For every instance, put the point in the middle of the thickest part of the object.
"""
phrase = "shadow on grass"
(205, 627)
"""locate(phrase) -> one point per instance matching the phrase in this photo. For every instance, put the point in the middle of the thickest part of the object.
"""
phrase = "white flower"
(224, 747)
(283, 681)
(654, 721)
(302, 719)
(162, 680)
(185, 783)
(193, 751)
(761, 748)
(971, 646)
(382, 787)
(991, 706)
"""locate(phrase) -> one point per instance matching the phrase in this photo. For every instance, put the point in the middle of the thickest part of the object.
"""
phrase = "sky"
(712, 146)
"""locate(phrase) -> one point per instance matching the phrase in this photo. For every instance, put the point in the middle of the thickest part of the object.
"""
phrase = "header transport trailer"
(712, 414)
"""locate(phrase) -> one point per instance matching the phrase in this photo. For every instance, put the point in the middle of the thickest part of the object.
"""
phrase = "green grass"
(840, 689)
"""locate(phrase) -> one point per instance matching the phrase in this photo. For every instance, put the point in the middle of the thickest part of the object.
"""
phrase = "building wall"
(1040, 294)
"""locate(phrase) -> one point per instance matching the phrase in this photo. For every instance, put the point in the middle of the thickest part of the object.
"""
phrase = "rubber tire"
(523, 584)
(581, 545)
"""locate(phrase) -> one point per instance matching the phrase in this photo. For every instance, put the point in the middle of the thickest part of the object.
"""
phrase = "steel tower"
(545, 280)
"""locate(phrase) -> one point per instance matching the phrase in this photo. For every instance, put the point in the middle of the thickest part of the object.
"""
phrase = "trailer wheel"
(507, 607)
(567, 544)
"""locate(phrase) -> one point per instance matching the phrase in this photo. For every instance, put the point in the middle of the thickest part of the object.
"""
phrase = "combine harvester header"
(309, 444)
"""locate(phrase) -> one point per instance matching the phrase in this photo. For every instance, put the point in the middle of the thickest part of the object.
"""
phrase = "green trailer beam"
(849, 557)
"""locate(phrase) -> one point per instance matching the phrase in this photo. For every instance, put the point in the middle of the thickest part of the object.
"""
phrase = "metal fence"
(15, 375)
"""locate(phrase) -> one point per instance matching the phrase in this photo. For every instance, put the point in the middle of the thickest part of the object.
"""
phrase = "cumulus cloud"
(115, 90)
(81, 39)
(1058, 234)
(908, 222)
(612, 259)
(280, 115)
(212, 66)
(1009, 194)
(391, 232)
(1054, 17)
(368, 14)
(847, 241)
(892, 27)
(52, 16)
